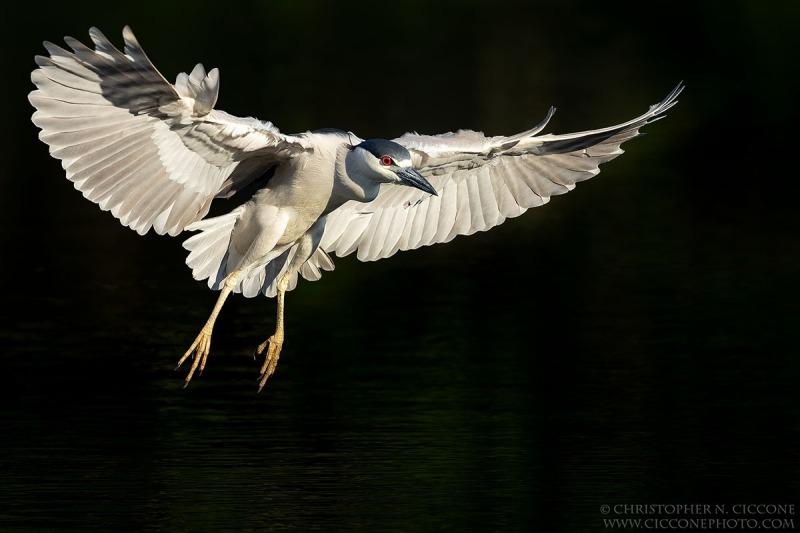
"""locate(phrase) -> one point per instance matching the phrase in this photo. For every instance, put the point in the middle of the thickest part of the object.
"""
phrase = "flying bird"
(156, 155)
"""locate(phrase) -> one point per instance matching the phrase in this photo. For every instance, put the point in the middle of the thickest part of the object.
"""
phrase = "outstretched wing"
(481, 182)
(153, 154)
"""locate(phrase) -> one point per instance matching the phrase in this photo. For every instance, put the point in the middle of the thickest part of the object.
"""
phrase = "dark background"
(630, 343)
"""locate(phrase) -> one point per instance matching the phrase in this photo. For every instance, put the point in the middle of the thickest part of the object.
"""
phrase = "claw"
(202, 344)
(273, 346)
(199, 351)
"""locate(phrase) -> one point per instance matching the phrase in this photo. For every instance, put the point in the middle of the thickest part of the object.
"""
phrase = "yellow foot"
(273, 348)
(199, 352)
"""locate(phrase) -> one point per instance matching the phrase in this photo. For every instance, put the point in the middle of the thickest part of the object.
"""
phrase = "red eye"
(386, 161)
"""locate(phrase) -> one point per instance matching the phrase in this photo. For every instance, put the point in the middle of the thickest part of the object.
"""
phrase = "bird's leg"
(202, 344)
(274, 344)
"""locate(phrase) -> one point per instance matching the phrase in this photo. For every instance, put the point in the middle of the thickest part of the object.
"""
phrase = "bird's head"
(389, 162)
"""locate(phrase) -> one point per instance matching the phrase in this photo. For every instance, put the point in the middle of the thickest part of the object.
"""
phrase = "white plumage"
(156, 155)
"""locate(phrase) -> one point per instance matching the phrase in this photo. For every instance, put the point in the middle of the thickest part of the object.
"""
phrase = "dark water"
(633, 342)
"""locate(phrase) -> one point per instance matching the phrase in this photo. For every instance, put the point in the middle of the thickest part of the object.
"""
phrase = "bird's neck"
(353, 181)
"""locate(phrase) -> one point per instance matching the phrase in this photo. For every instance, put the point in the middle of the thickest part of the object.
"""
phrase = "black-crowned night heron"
(156, 155)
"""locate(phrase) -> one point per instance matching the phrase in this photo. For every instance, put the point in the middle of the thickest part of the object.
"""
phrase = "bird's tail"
(209, 258)
(208, 250)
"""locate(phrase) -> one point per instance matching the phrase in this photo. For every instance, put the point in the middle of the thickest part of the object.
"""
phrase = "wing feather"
(416, 228)
(153, 154)
(441, 213)
(481, 181)
(463, 218)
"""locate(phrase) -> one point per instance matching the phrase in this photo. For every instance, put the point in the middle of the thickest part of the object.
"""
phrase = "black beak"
(412, 178)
